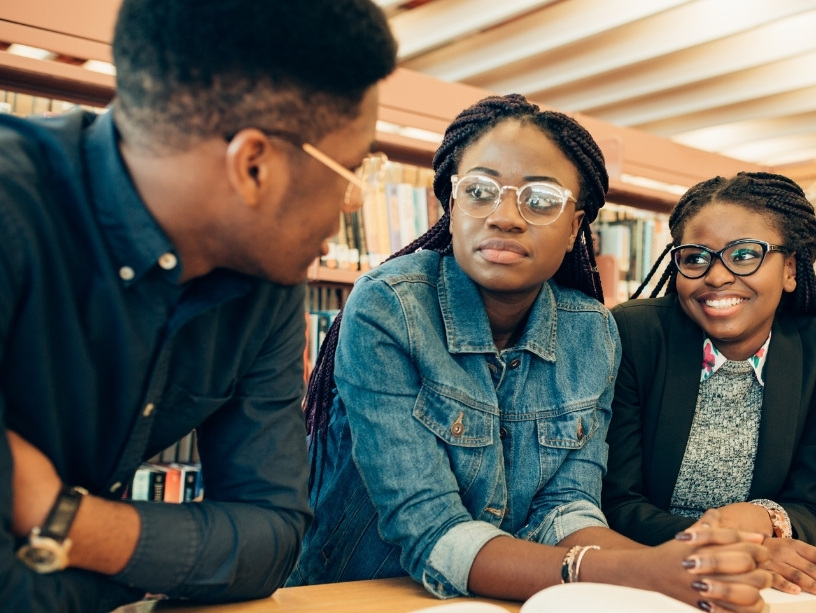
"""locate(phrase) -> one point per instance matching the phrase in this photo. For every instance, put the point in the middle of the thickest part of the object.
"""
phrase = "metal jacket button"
(458, 428)
(502, 433)
(514, 363)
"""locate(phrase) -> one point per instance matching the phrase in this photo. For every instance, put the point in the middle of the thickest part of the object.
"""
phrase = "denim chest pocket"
(455, 418)
(568, 427)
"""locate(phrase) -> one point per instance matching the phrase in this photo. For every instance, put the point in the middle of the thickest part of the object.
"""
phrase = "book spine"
(140, 489)
(157, 478)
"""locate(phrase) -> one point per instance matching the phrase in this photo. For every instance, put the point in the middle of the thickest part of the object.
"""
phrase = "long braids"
(577, 271)
(775, 196)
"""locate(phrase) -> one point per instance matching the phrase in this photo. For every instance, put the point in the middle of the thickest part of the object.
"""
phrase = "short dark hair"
(194, 69)
(774, 196)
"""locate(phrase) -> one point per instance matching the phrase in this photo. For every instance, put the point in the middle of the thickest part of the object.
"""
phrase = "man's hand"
(35, 485)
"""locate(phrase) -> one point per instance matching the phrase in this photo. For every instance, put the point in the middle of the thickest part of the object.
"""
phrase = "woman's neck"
(507, 316)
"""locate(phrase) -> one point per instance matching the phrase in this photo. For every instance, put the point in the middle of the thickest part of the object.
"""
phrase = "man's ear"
(257, 167)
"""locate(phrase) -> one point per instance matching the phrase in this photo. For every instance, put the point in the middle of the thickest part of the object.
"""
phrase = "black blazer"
(655, 398)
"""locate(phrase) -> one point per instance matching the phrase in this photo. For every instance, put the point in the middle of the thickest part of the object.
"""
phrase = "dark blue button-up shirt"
(93, 329)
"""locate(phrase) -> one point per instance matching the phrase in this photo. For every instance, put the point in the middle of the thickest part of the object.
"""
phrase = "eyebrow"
(493, 173)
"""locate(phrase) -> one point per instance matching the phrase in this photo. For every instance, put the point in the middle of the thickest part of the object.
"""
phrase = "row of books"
(23, 105)
(174, 482)
(402, 208)
(317, 325)
(635, 239)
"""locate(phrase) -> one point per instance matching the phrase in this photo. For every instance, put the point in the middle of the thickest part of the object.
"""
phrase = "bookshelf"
(647, 172)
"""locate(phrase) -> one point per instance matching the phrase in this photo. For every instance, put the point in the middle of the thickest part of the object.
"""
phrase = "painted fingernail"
(704, 605)
(690, 563)
(684, 536)
(700, 586)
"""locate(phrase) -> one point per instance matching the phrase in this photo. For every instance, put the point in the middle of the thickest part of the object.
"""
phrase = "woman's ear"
(256, 167)
(575, 228)
(789, 278)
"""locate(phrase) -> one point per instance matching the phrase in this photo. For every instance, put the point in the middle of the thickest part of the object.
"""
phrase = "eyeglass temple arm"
(344, 172)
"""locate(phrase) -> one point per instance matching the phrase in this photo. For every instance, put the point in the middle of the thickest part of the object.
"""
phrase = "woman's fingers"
(783, 585)
(709, 535)
(733, 593)
(732, 559)
(793, 562)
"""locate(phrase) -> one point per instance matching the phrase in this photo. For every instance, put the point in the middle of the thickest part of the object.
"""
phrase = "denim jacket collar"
(467, 328)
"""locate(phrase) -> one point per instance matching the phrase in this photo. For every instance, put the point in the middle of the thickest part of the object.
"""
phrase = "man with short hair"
(152, 261)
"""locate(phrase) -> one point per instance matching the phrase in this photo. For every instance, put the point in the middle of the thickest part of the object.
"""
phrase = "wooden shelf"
(331, 276)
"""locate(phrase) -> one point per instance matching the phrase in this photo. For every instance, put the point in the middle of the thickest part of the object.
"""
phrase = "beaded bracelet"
(780, 520)
(571, 565)
(566, 575)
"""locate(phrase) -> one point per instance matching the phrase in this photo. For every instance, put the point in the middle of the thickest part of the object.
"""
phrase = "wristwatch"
(48, 545)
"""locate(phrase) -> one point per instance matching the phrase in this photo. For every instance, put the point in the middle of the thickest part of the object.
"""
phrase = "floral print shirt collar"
(713, 359)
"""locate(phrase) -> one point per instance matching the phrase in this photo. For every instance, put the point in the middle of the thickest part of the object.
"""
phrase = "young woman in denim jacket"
(715, 401)
(464, 441)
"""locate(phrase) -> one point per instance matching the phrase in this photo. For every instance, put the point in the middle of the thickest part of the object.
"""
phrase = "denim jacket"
(439, 442)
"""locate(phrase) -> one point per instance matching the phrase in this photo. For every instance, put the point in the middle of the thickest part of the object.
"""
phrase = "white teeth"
(723, 303)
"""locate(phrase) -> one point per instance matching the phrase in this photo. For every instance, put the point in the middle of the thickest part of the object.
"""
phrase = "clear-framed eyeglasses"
(742, 257)
(362, 181)
(539, 202)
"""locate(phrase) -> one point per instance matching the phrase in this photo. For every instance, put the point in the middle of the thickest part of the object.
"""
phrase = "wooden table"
(399, 595)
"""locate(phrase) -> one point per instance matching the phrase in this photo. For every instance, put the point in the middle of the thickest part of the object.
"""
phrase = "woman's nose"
(718, 274)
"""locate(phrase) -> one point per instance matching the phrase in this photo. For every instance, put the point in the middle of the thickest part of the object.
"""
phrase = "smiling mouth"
(723, 303)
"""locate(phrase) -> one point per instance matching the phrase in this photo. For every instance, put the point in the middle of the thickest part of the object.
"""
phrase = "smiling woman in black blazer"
(715, 401)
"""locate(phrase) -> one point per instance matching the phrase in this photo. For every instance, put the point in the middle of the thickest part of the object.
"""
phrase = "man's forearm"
(104, 535)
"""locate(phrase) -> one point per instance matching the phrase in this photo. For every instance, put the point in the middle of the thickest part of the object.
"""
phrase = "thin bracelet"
(566, 565)
(574, 578)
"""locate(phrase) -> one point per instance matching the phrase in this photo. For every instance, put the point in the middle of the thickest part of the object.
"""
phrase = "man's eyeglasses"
(742, 257)
(361, 182)
(540, 203)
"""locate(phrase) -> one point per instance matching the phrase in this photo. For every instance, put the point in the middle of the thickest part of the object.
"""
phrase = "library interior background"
(675, 91)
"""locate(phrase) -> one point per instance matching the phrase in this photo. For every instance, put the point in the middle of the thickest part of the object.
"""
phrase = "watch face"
(44, 555)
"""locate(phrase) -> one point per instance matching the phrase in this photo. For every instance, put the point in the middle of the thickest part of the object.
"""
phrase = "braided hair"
(776, 197)
(577, 271)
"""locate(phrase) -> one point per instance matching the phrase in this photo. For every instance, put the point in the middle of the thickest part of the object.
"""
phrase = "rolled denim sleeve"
(452, 557)
(404, 466)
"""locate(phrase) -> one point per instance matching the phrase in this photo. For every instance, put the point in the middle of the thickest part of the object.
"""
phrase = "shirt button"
(126, 273)
(115, 487)
(168, 261)
(514, 363)
(502, 433)
(148, 409)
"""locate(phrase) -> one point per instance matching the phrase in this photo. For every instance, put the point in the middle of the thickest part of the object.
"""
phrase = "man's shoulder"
(41, 137)
(37, 154)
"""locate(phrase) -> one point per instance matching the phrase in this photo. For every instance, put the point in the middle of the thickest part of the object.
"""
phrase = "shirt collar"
(466, 324)
(713, 359)
(134, 237)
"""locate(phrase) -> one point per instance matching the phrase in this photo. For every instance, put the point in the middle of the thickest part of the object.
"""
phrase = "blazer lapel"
(781, 405)
(683, 364)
